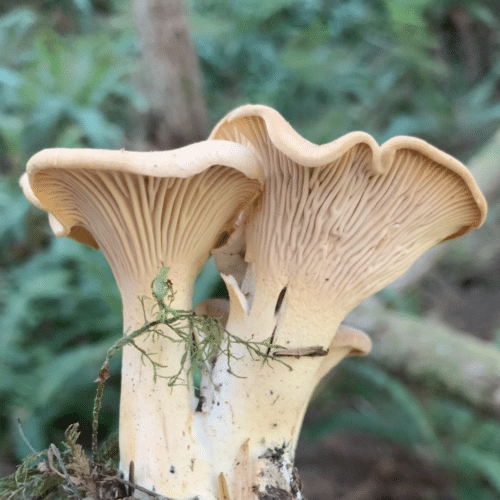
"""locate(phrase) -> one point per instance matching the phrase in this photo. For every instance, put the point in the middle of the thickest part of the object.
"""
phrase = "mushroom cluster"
(309, 231)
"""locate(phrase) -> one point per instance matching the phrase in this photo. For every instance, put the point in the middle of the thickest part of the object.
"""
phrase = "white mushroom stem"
(264, 404)
(156, 419)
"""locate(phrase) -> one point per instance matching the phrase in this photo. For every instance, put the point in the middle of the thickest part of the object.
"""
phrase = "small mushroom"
(214, 308)
(335, 224)
(144, 211)
(347, 341)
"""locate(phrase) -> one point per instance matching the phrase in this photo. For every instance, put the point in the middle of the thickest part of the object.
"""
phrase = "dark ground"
(361, 467)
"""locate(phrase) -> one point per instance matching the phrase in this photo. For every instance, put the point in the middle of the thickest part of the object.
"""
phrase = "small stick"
(297, 352)
(70, 484)
(23, 435)
(137, 487)
(101, 380)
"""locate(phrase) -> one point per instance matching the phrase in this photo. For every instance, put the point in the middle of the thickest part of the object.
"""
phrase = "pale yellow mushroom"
(144, 211)
(335, 224)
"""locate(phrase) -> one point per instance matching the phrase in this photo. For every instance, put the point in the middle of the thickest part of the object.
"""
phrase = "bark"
(434, 354)
(170, 76)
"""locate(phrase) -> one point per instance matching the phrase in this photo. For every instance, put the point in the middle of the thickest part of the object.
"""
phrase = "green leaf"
(15, 24)
(100, 132)
(484, 463)
(391, 428)
(66, 366)
(261, 9)
(9, 77)
(485, 436)
(406, 402)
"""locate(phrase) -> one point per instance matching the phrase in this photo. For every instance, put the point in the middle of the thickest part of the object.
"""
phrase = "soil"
(361, 467)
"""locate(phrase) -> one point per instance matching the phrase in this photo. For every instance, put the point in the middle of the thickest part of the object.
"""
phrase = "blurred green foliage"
(362, 397)
(420, 67)
(61, 89)
(59, 310)
(63, 82)
(389, 67)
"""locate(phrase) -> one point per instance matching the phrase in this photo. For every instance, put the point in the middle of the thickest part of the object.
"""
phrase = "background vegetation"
(419, 67)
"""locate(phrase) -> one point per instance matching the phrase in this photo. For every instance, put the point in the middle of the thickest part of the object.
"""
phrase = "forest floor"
(362, 467)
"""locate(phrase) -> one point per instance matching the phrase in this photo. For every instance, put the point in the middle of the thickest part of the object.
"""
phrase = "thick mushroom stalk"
(144, 211)
(235, 461)
(335, 224)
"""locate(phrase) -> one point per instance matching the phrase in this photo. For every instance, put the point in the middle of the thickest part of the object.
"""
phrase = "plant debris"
(69, 474)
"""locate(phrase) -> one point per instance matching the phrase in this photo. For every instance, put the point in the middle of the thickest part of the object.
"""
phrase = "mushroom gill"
(348, 217)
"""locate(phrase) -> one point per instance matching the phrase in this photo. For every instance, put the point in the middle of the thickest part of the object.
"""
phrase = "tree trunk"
(170, 77)
(430, 353)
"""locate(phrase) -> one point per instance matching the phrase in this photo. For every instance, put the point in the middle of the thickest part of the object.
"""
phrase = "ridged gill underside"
(142, 222)
(341, 228)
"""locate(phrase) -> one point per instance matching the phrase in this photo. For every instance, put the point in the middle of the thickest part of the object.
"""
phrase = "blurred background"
(418, 418)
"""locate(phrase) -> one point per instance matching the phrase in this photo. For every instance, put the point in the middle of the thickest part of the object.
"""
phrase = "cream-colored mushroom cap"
(346, 218)
(144, 209)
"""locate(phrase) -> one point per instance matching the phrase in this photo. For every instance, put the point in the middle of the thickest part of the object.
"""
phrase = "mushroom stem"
(263, 403)
(156, 418)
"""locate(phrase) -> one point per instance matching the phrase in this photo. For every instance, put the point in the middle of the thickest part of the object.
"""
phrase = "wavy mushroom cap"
(144, 209)
(346, 218)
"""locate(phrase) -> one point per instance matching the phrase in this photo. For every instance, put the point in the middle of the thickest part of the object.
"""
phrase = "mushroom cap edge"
(300, 150)
(182, 162)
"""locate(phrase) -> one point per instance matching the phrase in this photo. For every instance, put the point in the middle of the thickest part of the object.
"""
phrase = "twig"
(101, 380)
(127, 339)
(140, 488)
(69, 482)
(104, 375)
(23, 435)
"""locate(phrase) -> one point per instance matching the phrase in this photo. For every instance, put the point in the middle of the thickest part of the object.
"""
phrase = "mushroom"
(144, 211)
(335, 224)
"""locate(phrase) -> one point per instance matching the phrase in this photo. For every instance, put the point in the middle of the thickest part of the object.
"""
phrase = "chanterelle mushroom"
(145, 210)
(336, 223)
